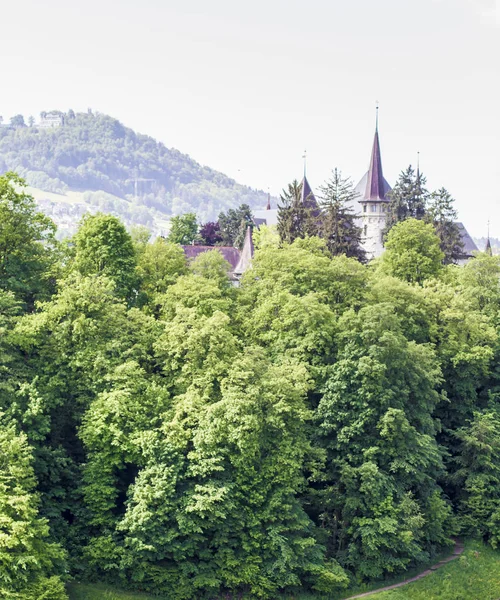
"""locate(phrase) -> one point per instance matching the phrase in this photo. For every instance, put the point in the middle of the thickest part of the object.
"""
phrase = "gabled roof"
(232, 255)
(375, 182)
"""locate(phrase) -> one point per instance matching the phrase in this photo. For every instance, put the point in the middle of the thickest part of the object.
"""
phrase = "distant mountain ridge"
(80, 162)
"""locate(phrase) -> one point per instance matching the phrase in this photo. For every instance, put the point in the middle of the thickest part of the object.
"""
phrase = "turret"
(373, 189)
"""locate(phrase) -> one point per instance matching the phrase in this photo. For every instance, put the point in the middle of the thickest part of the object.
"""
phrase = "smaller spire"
(304, 157)
(246, 254)
(488, 249)
(268, 207)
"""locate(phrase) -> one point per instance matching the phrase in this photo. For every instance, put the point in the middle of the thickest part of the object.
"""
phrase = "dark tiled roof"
(467, 241)
(232, 255)
(375, 182)
(308, 198)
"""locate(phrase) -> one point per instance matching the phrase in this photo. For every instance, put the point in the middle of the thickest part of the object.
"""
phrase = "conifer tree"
(338, 221)
(408, 198)
(233, 225)
(296, 219)
(442, 214)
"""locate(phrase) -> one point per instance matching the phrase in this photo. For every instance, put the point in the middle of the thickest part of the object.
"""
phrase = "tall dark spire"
(375, 183)
(268, 207)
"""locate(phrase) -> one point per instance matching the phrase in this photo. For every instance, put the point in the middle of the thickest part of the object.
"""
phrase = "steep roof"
(308, 197)
(467, 241)
(232, 255)
(246, 254)
(375, 182)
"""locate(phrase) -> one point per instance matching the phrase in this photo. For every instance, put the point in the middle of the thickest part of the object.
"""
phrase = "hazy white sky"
(244, 87)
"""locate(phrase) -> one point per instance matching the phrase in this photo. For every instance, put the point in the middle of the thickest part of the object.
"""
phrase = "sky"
(246, 87)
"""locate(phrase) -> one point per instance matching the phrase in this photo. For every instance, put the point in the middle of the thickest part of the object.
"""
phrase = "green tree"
(407, 199)
(338, 221)
(233, 225)
(296, 219)
(442, 214)
(159, 264)
(412, 251)
(30, 564)
(380, 504)
(183, 229)
(223, 527)
(102, 246)
(478, 476)
(27, 244)
(17, 121)
(70, 347)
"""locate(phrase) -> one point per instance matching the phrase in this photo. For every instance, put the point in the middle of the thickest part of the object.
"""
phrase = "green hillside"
(92, 162)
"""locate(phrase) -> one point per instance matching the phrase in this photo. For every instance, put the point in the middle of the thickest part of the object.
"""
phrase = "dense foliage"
(126, 173)
(323, 424)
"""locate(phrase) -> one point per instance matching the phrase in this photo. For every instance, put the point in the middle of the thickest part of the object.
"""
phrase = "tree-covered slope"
(93, 162)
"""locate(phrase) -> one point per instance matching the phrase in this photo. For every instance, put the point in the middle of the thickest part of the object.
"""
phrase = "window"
(365, 230)
(374, 207)
(364, 207)
(384, 208)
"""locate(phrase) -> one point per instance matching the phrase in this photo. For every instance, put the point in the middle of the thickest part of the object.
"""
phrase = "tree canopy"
(324, 422)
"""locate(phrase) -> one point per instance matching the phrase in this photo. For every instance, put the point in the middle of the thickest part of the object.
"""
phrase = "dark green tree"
(338, 225)
(17, 121)
(233, 225)
(27, 243)
(183, 229)
(407, 199)
(381, 505)
(478, 476)
(296, 218)
(442, 214)
(102, 246)
(30, 564)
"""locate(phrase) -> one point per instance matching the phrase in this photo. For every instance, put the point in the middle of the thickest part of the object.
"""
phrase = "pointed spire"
(246, 254)
(268, 207)
(488, 249)
(418, 166)
(375, 184)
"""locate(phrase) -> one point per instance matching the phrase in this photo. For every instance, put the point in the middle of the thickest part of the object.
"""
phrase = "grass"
(473, 576)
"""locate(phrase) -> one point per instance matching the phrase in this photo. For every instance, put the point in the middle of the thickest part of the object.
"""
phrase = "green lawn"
(473, 576)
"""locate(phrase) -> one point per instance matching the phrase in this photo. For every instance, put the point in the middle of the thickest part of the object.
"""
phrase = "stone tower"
(373, 189)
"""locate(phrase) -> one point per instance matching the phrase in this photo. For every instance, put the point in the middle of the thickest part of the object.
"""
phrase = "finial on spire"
(418, 166)
(304, 156)
(376, 114)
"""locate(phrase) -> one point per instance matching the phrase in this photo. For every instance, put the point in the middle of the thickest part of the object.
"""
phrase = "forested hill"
(93, 162)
